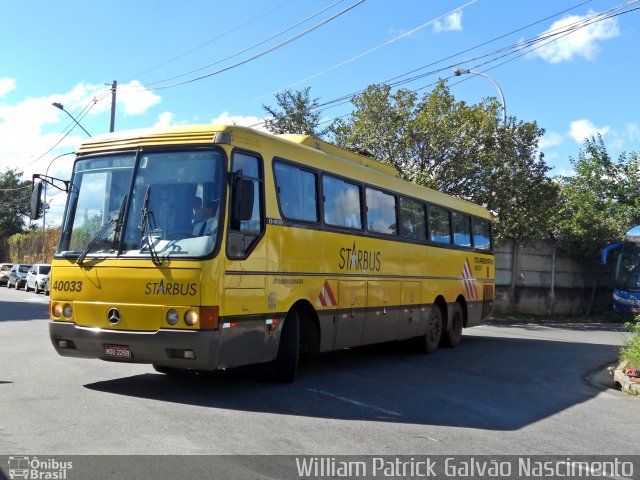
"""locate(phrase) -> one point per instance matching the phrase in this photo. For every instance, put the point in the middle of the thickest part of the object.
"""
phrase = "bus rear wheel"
(431, 339)
(453, 336)
(286, 363)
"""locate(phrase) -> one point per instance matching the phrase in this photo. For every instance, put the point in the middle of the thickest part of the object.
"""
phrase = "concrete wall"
(545, 283)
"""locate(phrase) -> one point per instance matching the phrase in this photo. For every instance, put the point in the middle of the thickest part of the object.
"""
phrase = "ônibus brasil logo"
(34, 468)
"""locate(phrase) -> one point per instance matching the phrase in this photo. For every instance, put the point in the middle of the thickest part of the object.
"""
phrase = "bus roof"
(319, 153)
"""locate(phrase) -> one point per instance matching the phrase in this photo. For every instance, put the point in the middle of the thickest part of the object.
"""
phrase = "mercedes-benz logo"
(113, 315)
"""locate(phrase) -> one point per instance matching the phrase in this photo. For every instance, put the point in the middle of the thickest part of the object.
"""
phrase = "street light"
(459, 72)
(59, 105)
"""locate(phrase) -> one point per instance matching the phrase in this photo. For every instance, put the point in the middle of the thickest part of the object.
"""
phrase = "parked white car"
(36, 277)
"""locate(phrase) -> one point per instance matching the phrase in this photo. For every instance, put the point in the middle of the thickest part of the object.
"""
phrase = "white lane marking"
(354, 402)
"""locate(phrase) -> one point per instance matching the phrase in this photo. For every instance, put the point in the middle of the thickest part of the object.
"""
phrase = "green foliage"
(14, 202)
(599, 203)
(296, 114)
(630, 351)
(460, 149)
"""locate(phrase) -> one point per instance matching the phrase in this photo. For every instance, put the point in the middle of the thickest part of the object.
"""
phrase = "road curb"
(627, 384)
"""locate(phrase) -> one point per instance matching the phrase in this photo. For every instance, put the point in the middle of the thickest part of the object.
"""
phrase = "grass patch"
(630, 351)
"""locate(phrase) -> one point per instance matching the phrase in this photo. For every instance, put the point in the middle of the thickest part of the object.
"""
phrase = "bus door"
(244, 337)
(351, 313)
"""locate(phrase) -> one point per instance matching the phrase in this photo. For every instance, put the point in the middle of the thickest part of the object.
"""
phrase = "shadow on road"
(486, 383)
(21, 311)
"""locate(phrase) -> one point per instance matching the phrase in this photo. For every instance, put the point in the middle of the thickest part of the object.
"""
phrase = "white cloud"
(135, 98)
(6, 85)
(633, 131)
(32, 126)
(581, 42)
(165, 119)
(582, 129)
(550, 139)
(249, 121)
(449, 23)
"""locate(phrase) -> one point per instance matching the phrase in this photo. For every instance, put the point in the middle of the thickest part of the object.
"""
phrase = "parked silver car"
(18, 275)
(36, 277)
(5, 268)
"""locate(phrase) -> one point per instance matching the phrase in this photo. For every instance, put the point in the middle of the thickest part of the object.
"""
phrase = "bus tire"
(452, 337)
(432, 337)
(286, 363)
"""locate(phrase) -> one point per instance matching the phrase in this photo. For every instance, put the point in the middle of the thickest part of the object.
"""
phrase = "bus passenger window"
(412, 219)
(439, 225)
(381, 212)
(481, 234)
(341, 203)
(461, 229)
(297, 192)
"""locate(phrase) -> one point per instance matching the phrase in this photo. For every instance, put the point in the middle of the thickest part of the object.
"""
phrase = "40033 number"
(67, 286)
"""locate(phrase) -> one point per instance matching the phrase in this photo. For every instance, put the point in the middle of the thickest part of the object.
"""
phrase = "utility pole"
(113, 106)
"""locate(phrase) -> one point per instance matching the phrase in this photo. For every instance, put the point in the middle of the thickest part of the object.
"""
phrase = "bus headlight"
(191, 317)
(172, 317)
(67, 311)
(56, 310)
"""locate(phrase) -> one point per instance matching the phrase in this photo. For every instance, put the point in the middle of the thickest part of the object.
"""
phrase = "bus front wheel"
(431, 339)
(286, 364)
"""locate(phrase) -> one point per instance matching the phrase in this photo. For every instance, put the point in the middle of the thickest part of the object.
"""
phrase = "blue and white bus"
(626, 281)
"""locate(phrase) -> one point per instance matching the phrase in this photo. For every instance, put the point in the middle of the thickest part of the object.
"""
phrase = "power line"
(255, 45)
(208, 42)
(551, 36)
(367, 52)
(263, 53)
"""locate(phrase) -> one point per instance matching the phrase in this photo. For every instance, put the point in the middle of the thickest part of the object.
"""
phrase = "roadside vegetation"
(630, 351)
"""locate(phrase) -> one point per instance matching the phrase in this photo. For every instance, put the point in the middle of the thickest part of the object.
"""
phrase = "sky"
(220, 62)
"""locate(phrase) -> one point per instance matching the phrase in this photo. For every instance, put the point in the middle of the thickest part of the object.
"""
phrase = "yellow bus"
(209, 247)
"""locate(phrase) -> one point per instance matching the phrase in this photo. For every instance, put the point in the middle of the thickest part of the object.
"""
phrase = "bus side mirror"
(242, 206)
(36, 200)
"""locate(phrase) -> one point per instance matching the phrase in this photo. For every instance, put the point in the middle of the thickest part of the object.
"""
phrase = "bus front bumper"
(192, 349)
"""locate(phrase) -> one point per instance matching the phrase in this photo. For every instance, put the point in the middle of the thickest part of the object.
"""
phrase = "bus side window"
(461, 229)
(439, 225)
(341, 203)
(243, 235)
(481, 234)
(412, 219)
(381, 212)
(297, 192)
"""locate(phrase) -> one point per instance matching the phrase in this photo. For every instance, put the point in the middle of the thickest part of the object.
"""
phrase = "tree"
(459, 149)
(599, 203)
(296, 114)
(14, 206)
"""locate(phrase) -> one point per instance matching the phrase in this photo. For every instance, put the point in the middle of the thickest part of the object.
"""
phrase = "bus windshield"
(627, 275)
(151, 205)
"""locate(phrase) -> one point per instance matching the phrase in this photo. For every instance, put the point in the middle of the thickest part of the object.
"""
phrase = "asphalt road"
(507, 389)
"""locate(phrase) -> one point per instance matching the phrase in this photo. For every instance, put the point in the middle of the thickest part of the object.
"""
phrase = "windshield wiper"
(94, 240)
(117, 221)
(146, 226)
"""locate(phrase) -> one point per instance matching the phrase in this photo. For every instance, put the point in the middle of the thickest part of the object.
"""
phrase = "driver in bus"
(208, 220)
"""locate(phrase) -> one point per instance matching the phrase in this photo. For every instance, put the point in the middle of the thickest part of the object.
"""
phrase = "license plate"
(118, 351)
